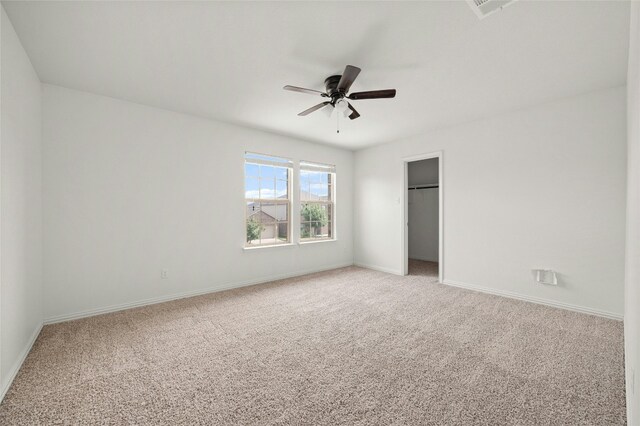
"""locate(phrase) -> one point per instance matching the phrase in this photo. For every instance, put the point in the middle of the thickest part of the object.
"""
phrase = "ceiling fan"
(337, 89)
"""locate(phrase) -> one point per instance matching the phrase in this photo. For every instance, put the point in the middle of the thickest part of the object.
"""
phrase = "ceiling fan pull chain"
(337, 123)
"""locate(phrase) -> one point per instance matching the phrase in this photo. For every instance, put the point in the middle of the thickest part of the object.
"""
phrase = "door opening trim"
(405, 211)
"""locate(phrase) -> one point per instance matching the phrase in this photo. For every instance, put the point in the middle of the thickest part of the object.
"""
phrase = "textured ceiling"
(229, 61)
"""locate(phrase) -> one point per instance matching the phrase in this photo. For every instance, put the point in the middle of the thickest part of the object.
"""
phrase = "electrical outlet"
(164, 274)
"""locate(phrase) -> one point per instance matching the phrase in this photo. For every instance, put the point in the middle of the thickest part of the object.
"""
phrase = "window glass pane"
(282, 173)
(315, 177)
(268, 234)
(267, 188)
(319, 191)
(305, 230)
(282, 189)
(267, 199)
(283, 232)
(253, 231)
(251, 188)
(267, 213)
(315, 229)
(316, 215)
(266, 209)
(316, 197)
(316, 220)
(304, 185)
(304, 214)
(282, 212)
(252, 208)
(251, 170)
(267, 171)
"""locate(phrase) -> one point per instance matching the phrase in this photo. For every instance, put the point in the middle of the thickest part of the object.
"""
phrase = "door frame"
(405, 210)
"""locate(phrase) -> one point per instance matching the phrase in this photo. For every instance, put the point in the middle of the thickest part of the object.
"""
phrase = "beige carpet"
(350, 346)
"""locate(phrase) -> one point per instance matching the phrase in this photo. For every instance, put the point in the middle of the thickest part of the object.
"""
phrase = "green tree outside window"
(317, 218)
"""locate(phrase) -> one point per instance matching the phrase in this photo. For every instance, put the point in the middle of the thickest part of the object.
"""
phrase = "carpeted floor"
(350, 346)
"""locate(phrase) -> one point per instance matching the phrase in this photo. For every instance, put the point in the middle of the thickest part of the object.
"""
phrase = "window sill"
(268, 246)
(328, 240)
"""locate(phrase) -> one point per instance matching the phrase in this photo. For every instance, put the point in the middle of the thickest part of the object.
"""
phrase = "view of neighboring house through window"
(317, 191)
(267, 196)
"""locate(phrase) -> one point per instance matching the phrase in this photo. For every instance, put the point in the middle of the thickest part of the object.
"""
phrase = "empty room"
(320, 213)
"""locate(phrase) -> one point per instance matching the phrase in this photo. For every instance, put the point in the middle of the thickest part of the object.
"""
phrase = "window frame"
(287, 164)
(330, 170)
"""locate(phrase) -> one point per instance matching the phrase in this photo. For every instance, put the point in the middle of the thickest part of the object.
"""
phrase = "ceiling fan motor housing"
(331, 85)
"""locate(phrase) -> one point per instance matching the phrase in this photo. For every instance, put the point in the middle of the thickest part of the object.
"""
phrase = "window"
(267, 197)
(317, 209)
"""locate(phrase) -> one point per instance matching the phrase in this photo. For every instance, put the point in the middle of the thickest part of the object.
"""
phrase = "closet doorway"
(422, 253)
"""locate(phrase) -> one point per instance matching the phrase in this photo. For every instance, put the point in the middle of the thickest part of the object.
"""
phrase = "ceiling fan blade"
(314, 108)
(329, 111)
(348, 77)
(373, 94)
(303, 90)
(354, 113)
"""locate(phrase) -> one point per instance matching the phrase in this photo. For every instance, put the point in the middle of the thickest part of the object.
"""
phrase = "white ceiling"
(229, 61)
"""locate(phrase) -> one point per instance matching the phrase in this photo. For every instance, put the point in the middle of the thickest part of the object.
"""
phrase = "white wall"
(423, 224)
(423, 172)
(632, 284)
(21, 206)
(542, 187)
(423, 210)
(130, 190)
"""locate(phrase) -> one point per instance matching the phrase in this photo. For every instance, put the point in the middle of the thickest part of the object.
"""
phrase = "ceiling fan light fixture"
(342, 106)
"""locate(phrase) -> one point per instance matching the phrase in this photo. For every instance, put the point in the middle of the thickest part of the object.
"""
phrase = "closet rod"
(423, 187)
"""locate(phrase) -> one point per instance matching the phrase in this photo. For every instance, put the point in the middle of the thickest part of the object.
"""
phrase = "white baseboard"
(175, 296)
(533, 299)
(6, 384)
(378, 268)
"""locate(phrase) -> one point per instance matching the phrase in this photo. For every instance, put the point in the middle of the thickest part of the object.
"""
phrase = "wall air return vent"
(484, 8)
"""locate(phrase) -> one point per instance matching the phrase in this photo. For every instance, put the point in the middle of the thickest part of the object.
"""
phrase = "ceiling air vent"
(484, 8)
